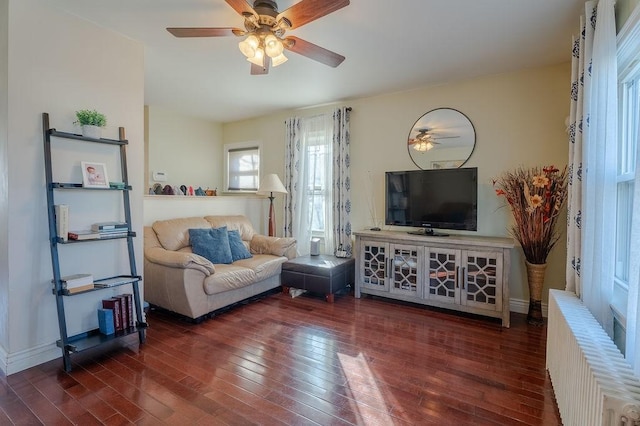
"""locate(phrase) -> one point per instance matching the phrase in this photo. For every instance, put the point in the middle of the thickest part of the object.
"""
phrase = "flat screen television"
(428, 199)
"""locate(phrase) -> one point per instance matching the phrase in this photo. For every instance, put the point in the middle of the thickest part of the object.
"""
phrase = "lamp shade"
(249, 45)
(258, 57)
(279, 60)
(423, 146)
(271, 183)
(273, 46)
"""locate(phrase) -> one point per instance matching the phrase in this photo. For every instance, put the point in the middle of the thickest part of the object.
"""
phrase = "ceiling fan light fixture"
(273, 46)
(249, 46)
(423, 146)
(265, 28)
(258, 58)
(278, 60)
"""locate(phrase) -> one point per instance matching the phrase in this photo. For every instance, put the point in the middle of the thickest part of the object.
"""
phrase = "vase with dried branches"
(536, 196)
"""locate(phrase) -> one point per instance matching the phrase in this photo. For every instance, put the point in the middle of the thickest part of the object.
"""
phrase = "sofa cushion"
(264, 265)
(212, 244)
(238, 250)
(237, 222)
(173, 234)
(261, 244)
(229, 277)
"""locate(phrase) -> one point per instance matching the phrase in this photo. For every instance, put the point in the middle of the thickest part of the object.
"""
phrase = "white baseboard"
(21, 360)
(522, 307)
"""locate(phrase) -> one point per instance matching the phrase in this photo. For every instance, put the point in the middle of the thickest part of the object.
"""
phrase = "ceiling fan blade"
(242, 7)
(204, 32)
(313, 51)
(306, 11)
(258, 70)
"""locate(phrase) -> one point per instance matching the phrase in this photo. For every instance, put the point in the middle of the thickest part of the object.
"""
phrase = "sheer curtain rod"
(348, 109)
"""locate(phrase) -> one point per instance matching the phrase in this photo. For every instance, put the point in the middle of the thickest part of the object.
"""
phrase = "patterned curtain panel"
(342, 180)
(576, 119)
(291, 172)
(592, 161)
(308, 178)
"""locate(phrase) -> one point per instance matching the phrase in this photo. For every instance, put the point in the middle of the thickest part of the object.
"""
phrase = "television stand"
(428, 231)
(462, 273)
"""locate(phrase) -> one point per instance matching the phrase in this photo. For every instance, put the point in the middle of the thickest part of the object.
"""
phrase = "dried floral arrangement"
(536, 196)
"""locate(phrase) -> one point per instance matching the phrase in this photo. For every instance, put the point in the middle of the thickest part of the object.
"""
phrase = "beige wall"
(48, 71)
(624, 8)
(519, 120)
(4, 166)
(188, 149)
(162, 207)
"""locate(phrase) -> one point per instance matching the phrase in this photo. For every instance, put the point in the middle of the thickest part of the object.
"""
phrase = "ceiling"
(390, 46)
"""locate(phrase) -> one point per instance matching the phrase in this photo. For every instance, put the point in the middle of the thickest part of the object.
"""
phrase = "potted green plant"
(92, 122)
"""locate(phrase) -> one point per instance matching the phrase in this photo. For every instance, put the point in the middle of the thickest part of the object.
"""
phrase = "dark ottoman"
(318, 274)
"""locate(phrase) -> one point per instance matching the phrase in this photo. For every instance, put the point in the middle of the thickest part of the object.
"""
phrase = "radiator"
(592, 382)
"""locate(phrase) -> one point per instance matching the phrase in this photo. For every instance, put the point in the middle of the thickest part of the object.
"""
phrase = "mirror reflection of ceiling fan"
(265, 28)
(426, 139)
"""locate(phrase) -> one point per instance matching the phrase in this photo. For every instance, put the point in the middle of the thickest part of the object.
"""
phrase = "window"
(312, 193)
(317, 182)
(242, 167)
(624, 304)
(627, 142)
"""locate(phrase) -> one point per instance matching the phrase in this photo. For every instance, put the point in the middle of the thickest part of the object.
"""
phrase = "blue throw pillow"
(212, 244)
(238, 249)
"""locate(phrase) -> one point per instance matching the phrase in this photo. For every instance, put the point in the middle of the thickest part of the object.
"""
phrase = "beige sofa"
(181, 281)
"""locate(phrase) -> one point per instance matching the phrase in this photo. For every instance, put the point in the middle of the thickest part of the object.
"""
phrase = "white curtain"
(308, 154)
(317, 156)
(592, 162)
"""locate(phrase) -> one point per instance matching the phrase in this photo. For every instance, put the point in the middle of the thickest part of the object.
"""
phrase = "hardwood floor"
(300, 361)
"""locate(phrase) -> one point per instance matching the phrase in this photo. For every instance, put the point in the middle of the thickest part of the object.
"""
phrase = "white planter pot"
(92, 131)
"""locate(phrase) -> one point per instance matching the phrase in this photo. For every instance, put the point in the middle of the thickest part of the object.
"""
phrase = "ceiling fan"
(425, 139)
(265, 28)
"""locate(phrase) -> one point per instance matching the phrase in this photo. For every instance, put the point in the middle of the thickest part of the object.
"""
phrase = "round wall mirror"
(443, 138)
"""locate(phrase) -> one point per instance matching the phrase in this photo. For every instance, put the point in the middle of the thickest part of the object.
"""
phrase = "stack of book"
(110, 229)
(116, 314)
(77, 283)
(83, 235)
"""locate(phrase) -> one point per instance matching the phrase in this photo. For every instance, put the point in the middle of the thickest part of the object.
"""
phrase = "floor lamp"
(268, 185)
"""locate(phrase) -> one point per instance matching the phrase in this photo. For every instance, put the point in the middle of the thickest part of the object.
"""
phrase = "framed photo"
(94, 175)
